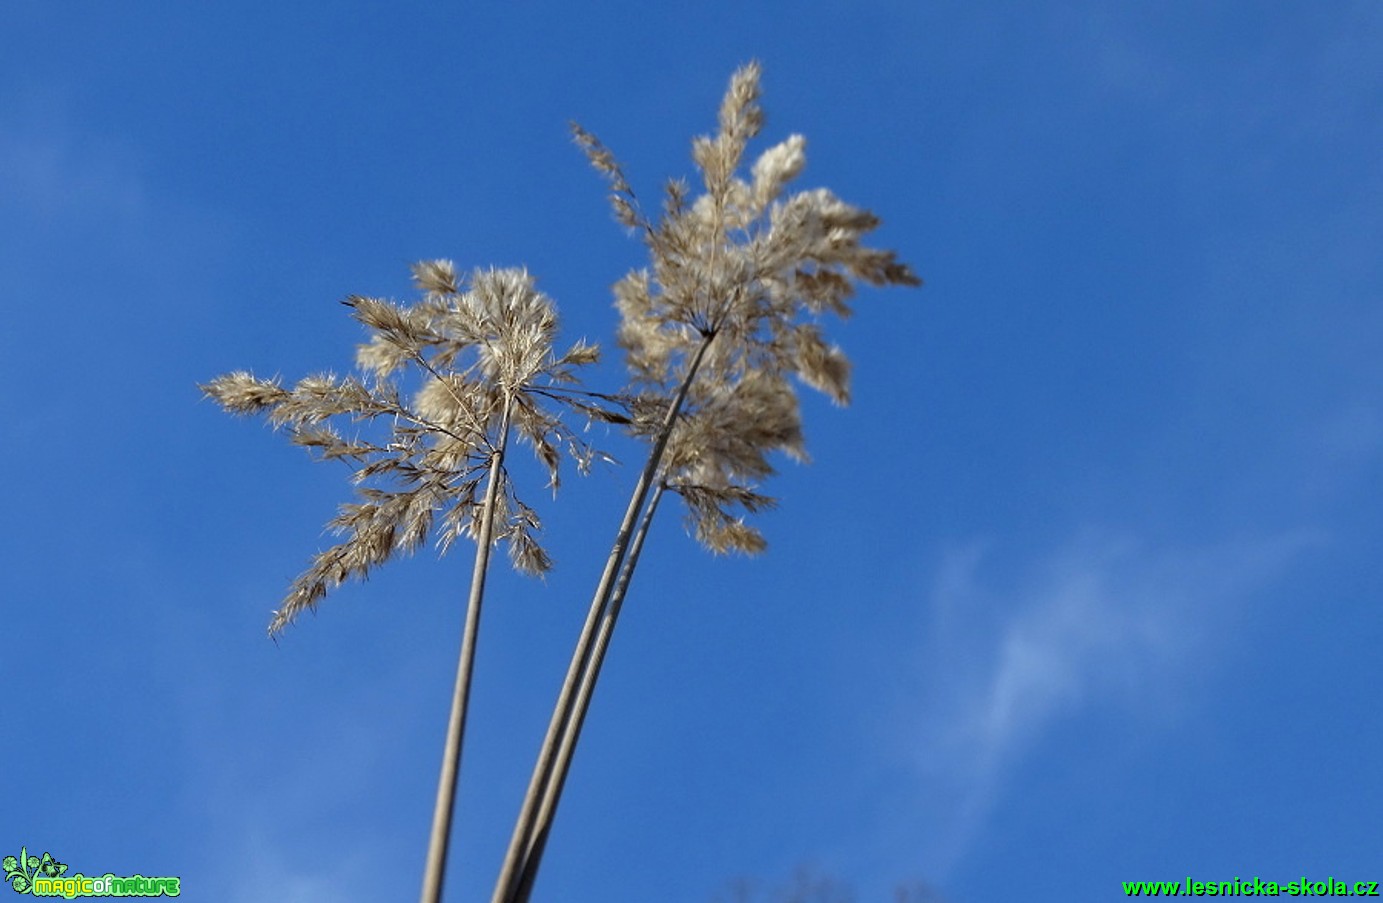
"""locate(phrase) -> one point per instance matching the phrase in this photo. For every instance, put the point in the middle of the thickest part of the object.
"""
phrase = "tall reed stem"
(522, 839)
(434, 872)
(572, 733)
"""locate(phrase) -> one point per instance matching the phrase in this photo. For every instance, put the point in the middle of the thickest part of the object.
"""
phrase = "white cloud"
(59, 173)
(1101, 624)
(266, 873)
(76, 200)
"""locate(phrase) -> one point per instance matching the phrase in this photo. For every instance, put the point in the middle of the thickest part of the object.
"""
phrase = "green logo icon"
(44, 876)
(21, 870)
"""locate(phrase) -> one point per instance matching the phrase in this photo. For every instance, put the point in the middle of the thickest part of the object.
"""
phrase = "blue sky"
(1083, 588)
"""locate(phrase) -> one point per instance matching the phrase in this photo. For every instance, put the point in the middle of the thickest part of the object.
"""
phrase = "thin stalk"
(435, 870)
(557, 780)
(521, 840)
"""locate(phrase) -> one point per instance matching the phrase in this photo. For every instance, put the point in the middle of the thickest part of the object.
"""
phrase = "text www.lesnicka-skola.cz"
(1241, 887)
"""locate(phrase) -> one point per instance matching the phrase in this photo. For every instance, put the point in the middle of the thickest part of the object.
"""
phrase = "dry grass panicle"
(443, 378)
(739, 279)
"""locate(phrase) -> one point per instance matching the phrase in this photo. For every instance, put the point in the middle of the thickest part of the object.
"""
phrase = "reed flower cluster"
(484, 362)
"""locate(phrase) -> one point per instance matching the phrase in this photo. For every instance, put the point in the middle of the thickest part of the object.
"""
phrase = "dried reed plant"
(713, 331)
(481, 366)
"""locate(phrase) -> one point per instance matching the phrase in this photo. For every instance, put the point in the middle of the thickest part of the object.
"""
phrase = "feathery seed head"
(472, 355)
(436, 276)
(745, 263)
(738, 280)
(241, 392)
(776, 167)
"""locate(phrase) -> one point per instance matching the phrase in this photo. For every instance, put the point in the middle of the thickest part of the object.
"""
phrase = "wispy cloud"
(75, 196)
(60, 175)
(267, 873)
(50, 179)
(1113, 624)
